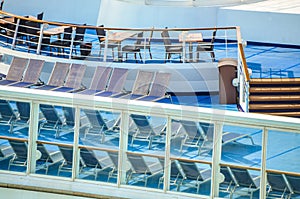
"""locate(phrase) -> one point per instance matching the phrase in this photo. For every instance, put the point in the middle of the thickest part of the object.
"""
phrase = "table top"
(7, 20)
(120, 36)
(55, 30)
(190, 37)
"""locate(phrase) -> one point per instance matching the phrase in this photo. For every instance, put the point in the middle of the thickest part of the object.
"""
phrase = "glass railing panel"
(282, 162)
(191, 156)
(55, 139)
(146, 147)
(99, 145)
(14, 124)
(240, 162)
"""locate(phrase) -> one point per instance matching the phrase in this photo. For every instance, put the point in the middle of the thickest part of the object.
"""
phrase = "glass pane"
(191, 155)
(99, 145)
(283, 170)
(14, 135)
(55, 140)
(240, 162)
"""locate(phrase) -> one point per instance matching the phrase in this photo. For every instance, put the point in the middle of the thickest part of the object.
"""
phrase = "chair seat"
(129, 48)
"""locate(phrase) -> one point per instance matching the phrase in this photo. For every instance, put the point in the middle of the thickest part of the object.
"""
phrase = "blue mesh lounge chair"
(22, 120)
(99, 80)
(247, 183)
(194, 134)
(294, 182)
(141, 171)
(66, 165)
(176, 175)
(114, 157)
(193, 176)
(74, 79)
(141, 85)
(32, 74)
(97, 125)
(91, 161)
(116, 83)
(6, 150)
(15, 71)
(278, 186)
(158, 88)
(8, 116)
(144, 131)
(57, 77)
(229, 184)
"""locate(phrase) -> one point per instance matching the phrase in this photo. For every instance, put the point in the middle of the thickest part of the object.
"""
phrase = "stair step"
(274, 81)
(268, 98)
(274, 106)
(274, 89)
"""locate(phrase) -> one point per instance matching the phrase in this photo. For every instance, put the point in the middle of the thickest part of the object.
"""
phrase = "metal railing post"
(38, 50)
(13, 45)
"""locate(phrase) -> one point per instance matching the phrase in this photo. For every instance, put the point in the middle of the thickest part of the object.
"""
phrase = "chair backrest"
(88, 157)
(95, 119)
(45, 156)
(6, 111)
(294, 181)
(20, 148)
(33, 70)
(100, 78)
(160, 84)
(117, 80)
(190, 170)
(79, 36)
(228, 177)
(114, 158)
(143, 125)
(277, 182)
(166, 38)
(40, 16)
(100, 33)
(32, 28)
(175, 172)
(67, 153)
(1, 4)
(139, 39)
(142, 82)
(58, 74)
(51, 115)
(243, 177)
(138, 163)
(16, 69)
(75, 75)
(69, 114)
(67, 34)
(150, 36)
(192, 129)
(24, 110)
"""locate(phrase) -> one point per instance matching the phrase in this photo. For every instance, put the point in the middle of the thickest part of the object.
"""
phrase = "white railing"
(220, 119)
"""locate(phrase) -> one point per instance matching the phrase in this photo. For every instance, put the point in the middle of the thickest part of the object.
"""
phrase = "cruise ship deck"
(186, 145)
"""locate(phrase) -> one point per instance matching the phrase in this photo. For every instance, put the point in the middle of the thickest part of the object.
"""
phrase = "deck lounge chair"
(8, 116)
(200, 135)
(141, 85)
(67, 163)
(74, 79)
(176, 175)
(140, 170)
(158, 88)
(22, 120)
(247, 183)
(114, 156)
(5, 151)
(97, 125)
(116, 83)
(32, 74)
(49, 158)
(294, 182)
(90, 160)
(99, 80)
(144, 131)
(193, 176)
(229, 184)
(278, 185)
(57, 77)
(15, 71)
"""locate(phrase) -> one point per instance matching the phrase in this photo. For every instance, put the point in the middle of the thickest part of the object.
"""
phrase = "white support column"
(38, 50)
(263, 174)
(216, 154)
(76, 151)
(123, 148)
(33, 154)
(167, 166)
(105, 46)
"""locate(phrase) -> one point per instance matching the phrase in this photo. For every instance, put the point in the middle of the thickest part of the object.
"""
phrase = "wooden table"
(118, 37)
(190, 38)
(55, 31)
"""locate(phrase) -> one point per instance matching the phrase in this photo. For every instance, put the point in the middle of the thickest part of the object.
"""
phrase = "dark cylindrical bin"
(227, 72)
